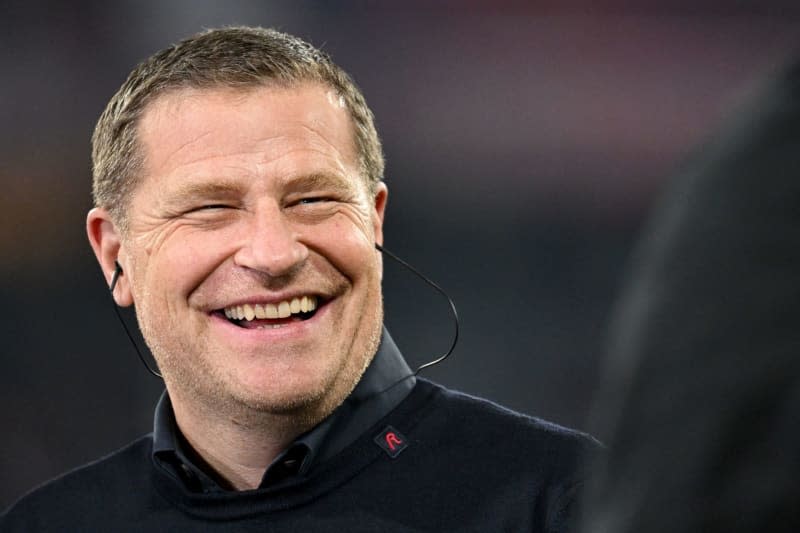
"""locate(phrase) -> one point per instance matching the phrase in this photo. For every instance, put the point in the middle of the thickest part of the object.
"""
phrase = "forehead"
(265, 130)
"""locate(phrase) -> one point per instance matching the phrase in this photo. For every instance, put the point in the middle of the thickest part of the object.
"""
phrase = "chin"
(285, 398)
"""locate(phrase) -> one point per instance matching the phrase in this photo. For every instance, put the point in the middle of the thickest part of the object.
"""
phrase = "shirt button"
(190, 478)
(190, 475)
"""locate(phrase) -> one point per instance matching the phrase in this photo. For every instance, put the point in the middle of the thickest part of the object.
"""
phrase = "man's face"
(252, 205)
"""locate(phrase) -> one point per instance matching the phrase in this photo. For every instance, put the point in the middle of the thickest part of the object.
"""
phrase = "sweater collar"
(385, 383)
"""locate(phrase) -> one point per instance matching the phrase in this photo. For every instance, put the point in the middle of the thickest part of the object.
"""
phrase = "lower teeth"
(298, 316)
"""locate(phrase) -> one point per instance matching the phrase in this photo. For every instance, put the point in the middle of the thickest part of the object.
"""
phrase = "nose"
(270, 244)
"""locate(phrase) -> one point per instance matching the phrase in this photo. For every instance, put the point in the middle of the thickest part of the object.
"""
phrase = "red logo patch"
(391, 441)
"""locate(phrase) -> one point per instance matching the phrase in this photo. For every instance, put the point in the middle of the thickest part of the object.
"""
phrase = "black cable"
(118, 271)
(449, 301)
(114, 279)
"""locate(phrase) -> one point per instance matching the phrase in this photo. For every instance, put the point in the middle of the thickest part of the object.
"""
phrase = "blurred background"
(525, 144)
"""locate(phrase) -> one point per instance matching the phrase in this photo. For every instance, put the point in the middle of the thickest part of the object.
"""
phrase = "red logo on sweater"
(391, 441)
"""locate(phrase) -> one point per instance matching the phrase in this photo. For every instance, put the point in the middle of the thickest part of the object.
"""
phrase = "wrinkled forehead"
(199, 127)
(174, 103)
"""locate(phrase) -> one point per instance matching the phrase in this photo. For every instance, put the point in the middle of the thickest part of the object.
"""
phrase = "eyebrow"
(320, 180)
(209, 189)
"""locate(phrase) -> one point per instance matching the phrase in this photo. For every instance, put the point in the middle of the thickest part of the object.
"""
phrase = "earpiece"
(118, 272)
(115, 276)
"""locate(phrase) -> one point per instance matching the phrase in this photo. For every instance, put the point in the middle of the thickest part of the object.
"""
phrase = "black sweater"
(464, 464)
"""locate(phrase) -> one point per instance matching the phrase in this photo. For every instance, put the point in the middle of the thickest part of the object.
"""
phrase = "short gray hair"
(234, 57)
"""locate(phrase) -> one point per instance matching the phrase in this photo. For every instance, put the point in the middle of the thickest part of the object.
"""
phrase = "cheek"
(349, 248)
(185, 260)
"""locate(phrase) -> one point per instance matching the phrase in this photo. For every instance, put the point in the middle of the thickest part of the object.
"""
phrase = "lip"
(296, 330)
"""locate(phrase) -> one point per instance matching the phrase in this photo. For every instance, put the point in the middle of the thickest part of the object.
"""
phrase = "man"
(239, 201)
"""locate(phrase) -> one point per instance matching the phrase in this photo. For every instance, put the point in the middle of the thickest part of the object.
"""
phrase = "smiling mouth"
(271, 315)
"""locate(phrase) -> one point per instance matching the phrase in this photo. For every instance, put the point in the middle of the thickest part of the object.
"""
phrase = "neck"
(237, 446)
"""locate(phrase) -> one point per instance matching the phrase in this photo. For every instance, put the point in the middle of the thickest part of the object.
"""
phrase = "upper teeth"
(281, 310)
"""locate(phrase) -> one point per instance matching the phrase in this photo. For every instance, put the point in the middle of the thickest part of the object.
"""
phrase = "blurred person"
(703, 401)
(238, 185)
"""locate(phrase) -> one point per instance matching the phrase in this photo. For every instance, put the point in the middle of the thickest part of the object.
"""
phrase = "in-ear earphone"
(115, 275)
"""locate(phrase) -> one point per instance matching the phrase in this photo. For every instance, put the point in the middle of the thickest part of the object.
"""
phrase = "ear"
(381, 197)
(106, 241)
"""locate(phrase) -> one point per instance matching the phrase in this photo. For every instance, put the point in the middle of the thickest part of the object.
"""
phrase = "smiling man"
(238, 183)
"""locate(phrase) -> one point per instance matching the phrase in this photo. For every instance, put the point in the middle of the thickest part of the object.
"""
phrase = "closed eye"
(212, 206)
(207, 210)
(314, 200)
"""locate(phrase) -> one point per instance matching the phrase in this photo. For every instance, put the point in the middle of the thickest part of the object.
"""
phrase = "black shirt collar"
(385, 383)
